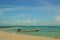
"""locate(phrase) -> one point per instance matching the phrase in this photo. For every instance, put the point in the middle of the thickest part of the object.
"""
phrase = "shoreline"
(14, 36)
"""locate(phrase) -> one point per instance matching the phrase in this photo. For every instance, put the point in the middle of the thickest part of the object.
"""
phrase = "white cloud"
(30, 22)
(26, 21)
(58, 18)
(18, 21)
(34, 21)
(55, 22)
(5, 22)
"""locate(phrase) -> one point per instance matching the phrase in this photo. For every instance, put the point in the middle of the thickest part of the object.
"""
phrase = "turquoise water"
(48, 31)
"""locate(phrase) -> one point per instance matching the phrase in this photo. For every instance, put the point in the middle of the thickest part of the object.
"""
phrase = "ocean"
(47, 31)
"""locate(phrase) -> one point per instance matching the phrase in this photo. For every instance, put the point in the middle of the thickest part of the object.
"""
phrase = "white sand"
(13, 36)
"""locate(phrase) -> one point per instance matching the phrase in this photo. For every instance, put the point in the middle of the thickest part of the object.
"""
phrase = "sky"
(30, 12)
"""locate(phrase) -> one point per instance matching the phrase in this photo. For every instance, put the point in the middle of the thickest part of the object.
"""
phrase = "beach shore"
(13, 36)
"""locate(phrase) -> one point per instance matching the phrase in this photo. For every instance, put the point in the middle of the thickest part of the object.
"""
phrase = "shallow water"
(48, 31)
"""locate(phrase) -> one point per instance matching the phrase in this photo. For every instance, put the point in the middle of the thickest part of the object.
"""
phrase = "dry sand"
(13, 36)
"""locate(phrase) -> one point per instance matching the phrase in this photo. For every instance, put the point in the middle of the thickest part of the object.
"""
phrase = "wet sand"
(13, 36)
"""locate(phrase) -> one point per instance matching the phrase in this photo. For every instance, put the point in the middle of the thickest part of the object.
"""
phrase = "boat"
(33, 30)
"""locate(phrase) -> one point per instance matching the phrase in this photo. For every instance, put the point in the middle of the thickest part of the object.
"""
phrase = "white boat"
(33, 30)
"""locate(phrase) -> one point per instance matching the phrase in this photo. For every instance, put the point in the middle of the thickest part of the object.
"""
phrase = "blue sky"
(30, 12)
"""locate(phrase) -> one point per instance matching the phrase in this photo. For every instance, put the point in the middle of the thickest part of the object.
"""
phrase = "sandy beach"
(13, 36)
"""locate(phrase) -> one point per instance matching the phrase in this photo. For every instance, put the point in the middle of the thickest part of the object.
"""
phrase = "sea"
(47, 31)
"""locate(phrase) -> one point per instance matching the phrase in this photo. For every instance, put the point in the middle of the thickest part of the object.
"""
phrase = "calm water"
(48, 31)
